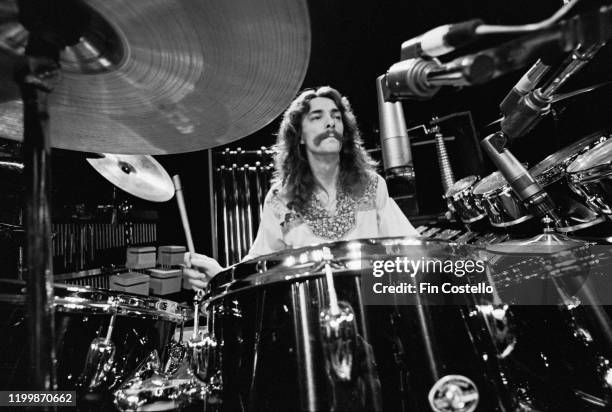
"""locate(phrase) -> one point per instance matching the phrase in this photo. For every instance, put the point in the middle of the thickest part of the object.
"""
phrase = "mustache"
(325, 135)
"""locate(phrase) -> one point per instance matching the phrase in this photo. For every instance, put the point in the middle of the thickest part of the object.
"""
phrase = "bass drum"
(82, 315)
(275, 341)
(562, 331)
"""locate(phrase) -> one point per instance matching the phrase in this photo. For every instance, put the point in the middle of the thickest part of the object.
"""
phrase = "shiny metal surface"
(139, 175)
(460, 199)
(283, 347)
(573, 212)
(552, 167)
(499, 200)
(599, 156)
(590, 176)
(155, 77)
(96, 301)
(309, 262)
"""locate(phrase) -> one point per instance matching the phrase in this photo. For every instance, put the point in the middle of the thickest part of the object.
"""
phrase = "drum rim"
(474, 219)
(475, 178)
(233, 280)
(604, 165)
(73, 299)
(512, 222)
(591, 174)
(580, 226)
(495, 190)
(561, 164)
(502, 190)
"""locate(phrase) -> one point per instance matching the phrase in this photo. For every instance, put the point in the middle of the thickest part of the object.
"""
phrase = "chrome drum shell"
(590, 176)
(460, 200)
(503, 206)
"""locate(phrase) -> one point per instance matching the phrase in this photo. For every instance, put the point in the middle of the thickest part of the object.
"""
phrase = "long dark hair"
(291, 163)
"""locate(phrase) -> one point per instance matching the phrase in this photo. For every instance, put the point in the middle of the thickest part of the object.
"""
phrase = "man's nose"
(331, 123)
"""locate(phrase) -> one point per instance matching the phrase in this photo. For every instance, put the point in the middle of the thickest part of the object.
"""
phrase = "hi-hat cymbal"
(167, 76)
(139, 175)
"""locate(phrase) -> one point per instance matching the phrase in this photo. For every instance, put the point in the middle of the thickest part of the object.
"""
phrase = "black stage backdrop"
(352, 43)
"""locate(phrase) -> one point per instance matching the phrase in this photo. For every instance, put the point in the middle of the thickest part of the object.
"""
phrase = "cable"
(544, 24)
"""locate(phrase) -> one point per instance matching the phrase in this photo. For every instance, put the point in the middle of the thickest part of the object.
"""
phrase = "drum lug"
(339, 333)
(98, 364)
(497, 317)
(199, 355)
(202, 347)
(176, 356)
(99, 361)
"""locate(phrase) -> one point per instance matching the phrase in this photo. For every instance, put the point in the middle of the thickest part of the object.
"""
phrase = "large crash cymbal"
(139, 175)
(167, 76)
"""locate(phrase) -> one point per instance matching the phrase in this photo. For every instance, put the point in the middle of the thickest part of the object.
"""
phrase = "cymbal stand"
(52, 26)
(37, 78)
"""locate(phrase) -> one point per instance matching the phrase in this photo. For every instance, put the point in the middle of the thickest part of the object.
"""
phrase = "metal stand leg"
(36, 82)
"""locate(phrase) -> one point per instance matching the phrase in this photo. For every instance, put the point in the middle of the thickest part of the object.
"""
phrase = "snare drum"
(590, 176)
(503, 206)
(550, 174)
(142, 324)
(461, 200)
(273, 342)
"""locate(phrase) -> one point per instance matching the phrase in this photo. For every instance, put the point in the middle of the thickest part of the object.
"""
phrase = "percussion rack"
(81, 246)
(241, 181)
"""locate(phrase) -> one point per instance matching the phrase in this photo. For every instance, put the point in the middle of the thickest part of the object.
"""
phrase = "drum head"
(461, 185)
(551, 168)
(494, 182)
(598, 156)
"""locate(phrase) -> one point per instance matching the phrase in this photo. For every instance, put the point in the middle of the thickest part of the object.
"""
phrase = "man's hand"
(199, 269)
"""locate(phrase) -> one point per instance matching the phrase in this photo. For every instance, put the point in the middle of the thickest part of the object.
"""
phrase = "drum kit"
(580, 205)
(299, 329)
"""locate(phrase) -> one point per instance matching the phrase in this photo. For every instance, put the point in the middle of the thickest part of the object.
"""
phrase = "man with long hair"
(325, 186)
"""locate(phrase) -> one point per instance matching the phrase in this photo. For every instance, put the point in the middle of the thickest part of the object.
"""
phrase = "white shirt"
(376, 215)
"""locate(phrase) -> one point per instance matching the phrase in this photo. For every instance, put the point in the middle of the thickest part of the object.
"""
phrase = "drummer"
(325, 187)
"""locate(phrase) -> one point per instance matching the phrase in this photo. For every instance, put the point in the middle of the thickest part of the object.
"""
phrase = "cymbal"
(542, 244)
(139, 175)
(167, 76)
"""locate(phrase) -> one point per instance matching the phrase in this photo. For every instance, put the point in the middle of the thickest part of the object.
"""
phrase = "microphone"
(396, 153)
(422, 78)
(520, 180)
(441, 40)
(525, 85)
(527, 112)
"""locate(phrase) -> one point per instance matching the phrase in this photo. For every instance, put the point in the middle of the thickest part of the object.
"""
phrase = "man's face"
(322, 127)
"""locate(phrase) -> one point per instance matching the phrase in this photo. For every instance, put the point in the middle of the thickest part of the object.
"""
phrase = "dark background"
(353, 43)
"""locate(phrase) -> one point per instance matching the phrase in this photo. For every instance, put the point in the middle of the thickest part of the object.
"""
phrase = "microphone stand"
(533, 196)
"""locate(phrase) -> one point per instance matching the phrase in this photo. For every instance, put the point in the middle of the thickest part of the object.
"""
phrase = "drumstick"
(183, 211)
